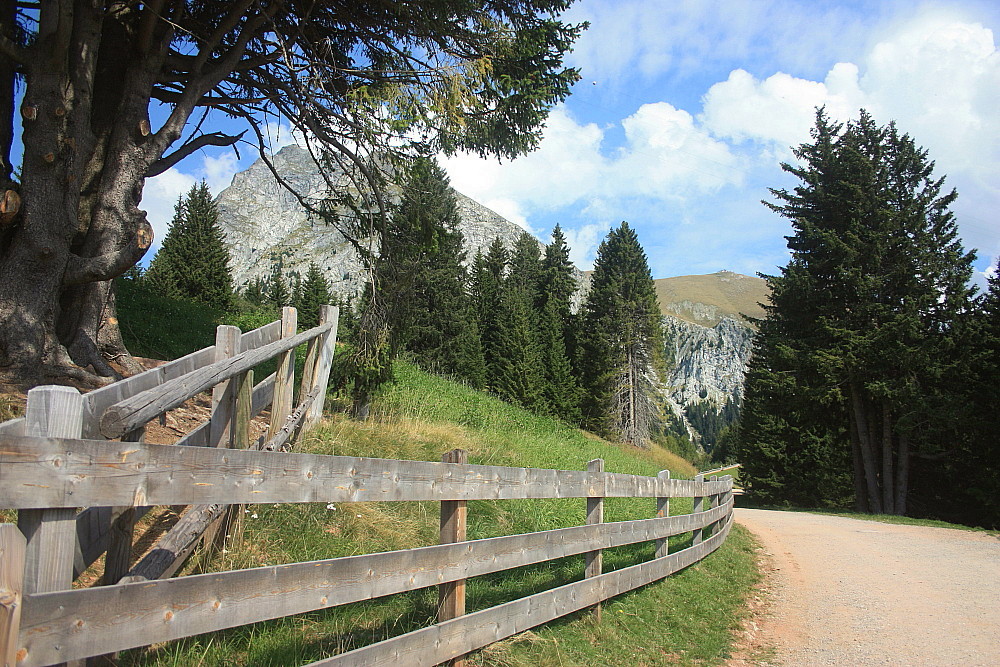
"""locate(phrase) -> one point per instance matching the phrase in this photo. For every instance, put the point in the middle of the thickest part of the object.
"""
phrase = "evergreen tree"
(433, 315)
(863, 319)
(256, 291)
(621, 340)
(518, 364)
(315, 292)
(488, 273)
(193, 262)
(277, 290)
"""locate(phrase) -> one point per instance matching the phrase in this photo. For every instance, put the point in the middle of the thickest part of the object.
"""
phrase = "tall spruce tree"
(488, 273)
(865, 314)
(433, 316)
(193, 262)
(315, 292)
(621, 340)
(557, 328)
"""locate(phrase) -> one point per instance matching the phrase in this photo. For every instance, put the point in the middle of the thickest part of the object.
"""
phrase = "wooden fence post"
(53, 412)
(12, 547)
(662, 511)
(223, 421)
(595, 515)
(117, 560)
(324, 359)
(454, 515)
(284, 377)
(698, 503)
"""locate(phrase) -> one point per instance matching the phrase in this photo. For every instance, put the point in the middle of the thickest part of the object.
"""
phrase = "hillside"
(707, 299)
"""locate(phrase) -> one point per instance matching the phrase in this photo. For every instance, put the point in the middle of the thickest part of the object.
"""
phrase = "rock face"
(710, 362)
(266, 226)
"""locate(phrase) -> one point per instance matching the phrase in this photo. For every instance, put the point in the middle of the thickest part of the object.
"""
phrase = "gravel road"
(858, 593)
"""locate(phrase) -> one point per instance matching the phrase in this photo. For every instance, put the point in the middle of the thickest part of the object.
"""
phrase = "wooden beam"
(594, 560)
(284, 381)
(143, 407)
(698, 535)
(438, 643)
(131, 614)
(55, 472)
(328, 316)
(662, 511)
(454, 521)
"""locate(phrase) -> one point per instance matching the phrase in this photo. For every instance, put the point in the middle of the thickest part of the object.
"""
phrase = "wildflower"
(331, 506)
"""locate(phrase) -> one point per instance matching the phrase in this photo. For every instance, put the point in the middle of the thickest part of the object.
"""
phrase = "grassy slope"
(733, 294)
(685, 620)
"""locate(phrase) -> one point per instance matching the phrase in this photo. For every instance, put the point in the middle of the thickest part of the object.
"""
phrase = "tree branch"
(212, 139)
(15, 53)
(110, 265)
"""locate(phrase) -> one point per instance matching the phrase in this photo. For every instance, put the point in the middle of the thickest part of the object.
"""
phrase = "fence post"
(324, 359)
(284, 377)
(12, 546)
(595, 515)
(454, 515)
(118, 558)
(223, 422)
(712, 505)
(54, 412)
(698, 534)
(663, 511)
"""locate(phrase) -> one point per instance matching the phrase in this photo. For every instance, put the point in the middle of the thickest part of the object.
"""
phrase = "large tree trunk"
(857, 409)
(860, 492)
(902, 474)
(888, 488)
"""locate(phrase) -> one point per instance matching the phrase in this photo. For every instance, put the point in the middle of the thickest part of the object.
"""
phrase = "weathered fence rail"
(48, 474)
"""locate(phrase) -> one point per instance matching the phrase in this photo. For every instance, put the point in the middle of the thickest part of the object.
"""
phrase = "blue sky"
(686, 109)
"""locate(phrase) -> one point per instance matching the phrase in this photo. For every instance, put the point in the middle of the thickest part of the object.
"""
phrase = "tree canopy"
(860, 340)
(114, 93)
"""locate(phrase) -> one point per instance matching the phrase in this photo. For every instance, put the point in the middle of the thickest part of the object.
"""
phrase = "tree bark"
(902, 474)
(888, 488)
(860, 492)
(857, 408)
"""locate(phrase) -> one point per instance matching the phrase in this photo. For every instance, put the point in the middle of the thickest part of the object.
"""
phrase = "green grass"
(686, 619)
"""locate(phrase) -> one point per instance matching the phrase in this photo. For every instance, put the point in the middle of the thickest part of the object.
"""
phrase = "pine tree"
(315, 292)
(488, 272)
(621, 340)
(193, 262)
(277, 290)
(557, 328)
(865, 313)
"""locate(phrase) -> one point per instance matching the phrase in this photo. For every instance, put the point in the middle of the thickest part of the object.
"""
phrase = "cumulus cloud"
(159, 196)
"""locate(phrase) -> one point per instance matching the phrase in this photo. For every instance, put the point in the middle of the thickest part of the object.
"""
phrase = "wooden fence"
(52, 465)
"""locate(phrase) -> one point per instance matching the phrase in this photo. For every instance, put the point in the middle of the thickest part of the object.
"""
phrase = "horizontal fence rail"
(56, 472)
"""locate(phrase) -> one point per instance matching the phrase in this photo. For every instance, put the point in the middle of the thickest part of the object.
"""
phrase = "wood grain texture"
(438, 643)
(134, 614)
(284, 381)
(453, 529)
(53, 411)
(127, 414)
(13, 426)
(97, 401)
(594, 560)
(70, 473)
(328, 316)
(12, 548)
(56, 472)
(662, 510)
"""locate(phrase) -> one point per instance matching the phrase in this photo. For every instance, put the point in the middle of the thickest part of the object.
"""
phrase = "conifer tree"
(518, 364)
(315, 292)
(193, 262)
(865, 314)
(621, 340)
(277, 290)
(557, 328)
(488, 272)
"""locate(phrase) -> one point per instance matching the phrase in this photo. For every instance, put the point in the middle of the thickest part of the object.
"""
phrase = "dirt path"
(858, 593)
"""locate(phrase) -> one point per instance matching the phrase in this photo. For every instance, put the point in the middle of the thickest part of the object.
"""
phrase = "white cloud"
(583, 243)
(159, 196)
(218, 171)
